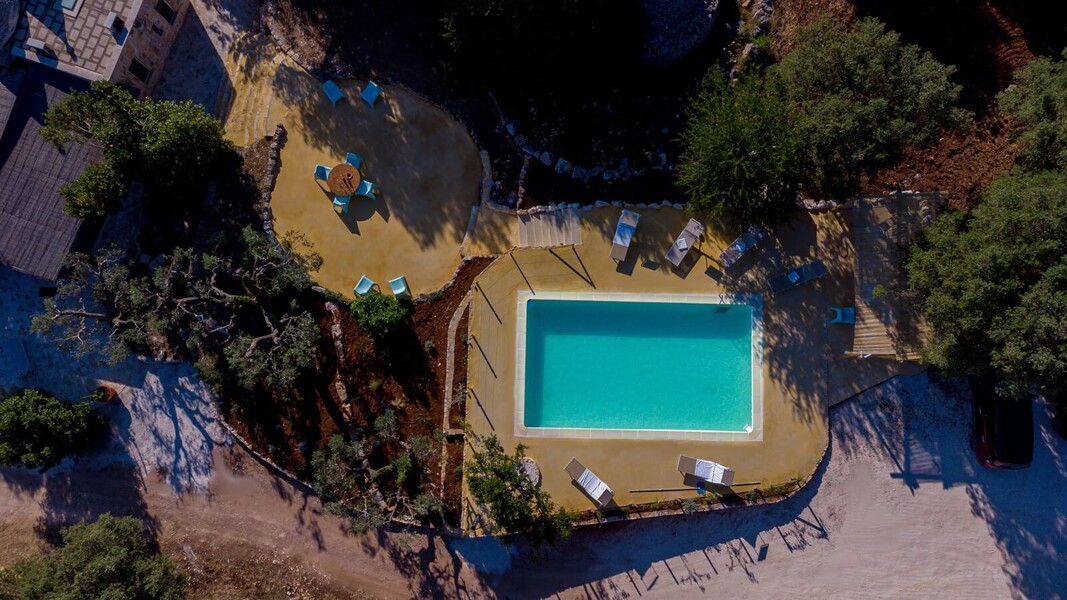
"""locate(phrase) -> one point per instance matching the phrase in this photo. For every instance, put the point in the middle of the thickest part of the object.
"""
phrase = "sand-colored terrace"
(798, 346)
(425, 164)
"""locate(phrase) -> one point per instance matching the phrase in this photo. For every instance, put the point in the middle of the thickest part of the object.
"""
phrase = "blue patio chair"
(322, 172)
(364, 286)
(354, 159)
(400, 287)
(342, 202)
(370, 93)
(846, 316)
(333, 92)
(366, 188)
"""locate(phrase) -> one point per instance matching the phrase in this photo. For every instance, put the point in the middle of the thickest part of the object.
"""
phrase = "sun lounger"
(747, 241)
(354, 159)
(590, 483)
(333, 92)
(322, 172)
(709, 471)
(624, 233)
(342, 202)
(364, 286)
(693, 230)
(400, 287)
(366, 188)
(797, 277)
(370, 93)
(845, 315)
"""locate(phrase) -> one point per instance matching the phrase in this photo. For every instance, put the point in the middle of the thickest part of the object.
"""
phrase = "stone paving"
(166, 421)
(80, 41)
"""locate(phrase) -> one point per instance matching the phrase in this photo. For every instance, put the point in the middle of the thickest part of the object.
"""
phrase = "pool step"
(550, 229)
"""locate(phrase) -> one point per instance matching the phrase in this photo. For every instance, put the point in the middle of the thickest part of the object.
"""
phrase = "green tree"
(741, 150)
(95, 193)
(110, 558)
(37, 430)
(517, 508)
(172, 148)
(346, 486)
(1039, 100)
(862, 96)
(994, 284)
(379, 314)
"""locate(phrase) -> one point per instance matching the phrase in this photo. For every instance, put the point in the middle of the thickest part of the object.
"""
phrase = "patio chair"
(363, 286)
(354, 159)
(322, 173)
(342, 202)
(745, 242)
(366, 188)
(596, 489)
(400, 287)
(693, 230)
(333, 92)
(711, 472)
(370, 93)
(846, 315)
(624, 233)
(797, 277)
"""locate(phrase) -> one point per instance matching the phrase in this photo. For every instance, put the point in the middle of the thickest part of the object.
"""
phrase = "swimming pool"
(646, 366)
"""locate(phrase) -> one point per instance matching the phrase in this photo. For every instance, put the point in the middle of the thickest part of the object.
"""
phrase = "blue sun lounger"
(400, 287)
(370, 93)
(364, 286)
(624, 234)
(797, 277)
(333, 92)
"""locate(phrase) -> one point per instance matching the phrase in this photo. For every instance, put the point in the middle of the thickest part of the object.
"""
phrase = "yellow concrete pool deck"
(427, 169)
(797, 348)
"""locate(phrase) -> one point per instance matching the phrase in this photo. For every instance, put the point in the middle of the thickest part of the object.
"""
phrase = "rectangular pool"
(638, 365)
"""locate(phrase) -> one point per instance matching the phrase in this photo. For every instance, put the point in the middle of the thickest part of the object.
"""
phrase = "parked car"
(1003, 428)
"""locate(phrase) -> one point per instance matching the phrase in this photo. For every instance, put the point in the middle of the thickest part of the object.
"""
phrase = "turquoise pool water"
(638, 365)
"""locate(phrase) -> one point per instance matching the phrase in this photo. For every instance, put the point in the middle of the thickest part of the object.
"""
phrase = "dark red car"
(1003, 429)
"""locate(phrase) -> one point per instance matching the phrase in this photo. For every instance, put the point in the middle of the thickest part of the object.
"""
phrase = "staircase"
(550, 229)
(245, 99)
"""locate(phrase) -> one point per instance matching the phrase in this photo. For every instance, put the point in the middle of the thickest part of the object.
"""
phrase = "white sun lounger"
(590, 483)
(624, 234)
(709, 471)
(693, 230)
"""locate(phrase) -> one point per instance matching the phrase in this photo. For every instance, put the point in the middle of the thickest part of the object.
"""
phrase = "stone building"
(124, 41)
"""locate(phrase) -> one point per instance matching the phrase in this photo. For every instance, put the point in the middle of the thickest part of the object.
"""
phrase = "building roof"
(35, 232)
(76, 39)
(887, 323)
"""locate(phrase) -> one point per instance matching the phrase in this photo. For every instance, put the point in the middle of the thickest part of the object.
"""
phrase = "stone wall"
(149, 41)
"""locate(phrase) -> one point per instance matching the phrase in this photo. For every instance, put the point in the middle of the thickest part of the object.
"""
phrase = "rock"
(574, 205)
(564, 167)
(641, 205)
(624, 164)
(674, 28)
(600, 203)
(596, 171)
(665, 204)
(610, 175)
(580, 173)
(512, 127)
(617, 204)
(750, 52)
(547, 158)
(679, 206)
(587, 207)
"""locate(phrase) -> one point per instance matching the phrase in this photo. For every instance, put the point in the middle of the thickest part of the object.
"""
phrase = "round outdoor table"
(343, 180)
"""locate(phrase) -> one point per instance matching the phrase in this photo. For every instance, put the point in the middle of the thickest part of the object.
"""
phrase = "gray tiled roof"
(35, 232)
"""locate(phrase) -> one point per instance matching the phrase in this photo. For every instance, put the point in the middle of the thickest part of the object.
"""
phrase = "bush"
(95, 193)
(1039, 100)
(379, 314)
(110, 558)
(862, 96)
(37, 430)
(741, 150)
(517, 507)
(994, 285)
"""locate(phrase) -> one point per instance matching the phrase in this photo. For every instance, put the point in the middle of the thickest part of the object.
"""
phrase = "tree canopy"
(172, 148)
(994, 284)
(517, 508)
(110, 558)
(237, 294)
(37, 430)
(741, 150)
(1039, 99)
(379, 314)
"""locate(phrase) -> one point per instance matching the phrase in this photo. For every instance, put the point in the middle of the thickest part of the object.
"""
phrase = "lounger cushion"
(592, 484)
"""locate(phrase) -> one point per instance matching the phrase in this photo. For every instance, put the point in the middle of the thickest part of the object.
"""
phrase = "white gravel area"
(166, 421)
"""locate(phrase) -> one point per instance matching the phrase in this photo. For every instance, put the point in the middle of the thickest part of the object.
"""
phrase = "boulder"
(674, 28)
(564, 166)
(600, 203)
(547, 158)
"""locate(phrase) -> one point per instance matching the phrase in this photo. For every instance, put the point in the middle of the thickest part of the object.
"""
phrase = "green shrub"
(95, 193)
(37, 430)
(379, 314)
(110, 558)
(994, 285)
(862, 95)
(385, 424)
(1039, 100)
(741, 150)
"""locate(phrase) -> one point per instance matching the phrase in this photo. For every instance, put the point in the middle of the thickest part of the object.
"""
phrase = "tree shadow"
(195, 69)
